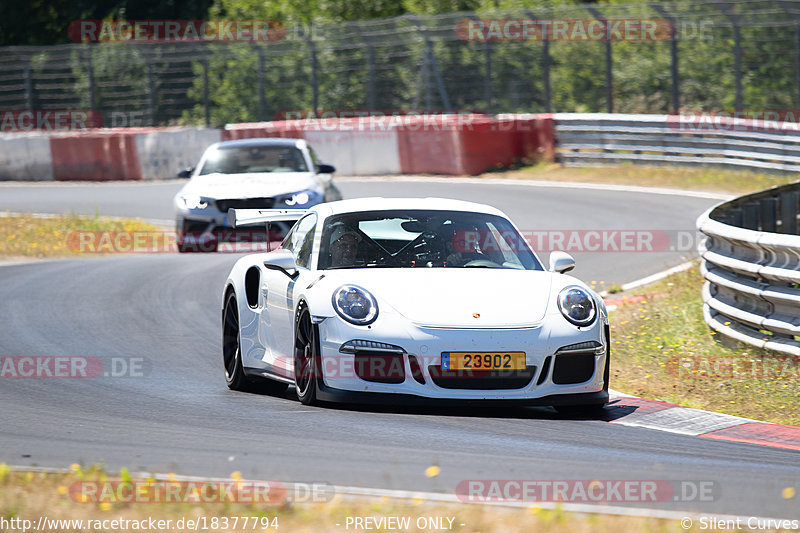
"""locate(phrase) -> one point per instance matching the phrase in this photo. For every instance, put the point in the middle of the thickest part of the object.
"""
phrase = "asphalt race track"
(163, 311)
(532, 209)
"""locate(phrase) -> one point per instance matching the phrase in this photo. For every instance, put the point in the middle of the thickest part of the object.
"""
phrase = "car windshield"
(423, 238)
(244, 159)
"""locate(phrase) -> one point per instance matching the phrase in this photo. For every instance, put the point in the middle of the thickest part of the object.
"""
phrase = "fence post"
(430, 62)
(609, 61)
(29, 96)
(206, 99)
(151, 92)
(90, 74)
(789, 9)
(545, 62)
(314, 83)
(262, 84)
(487, 81)
(737, 49)
(370, 67)
(673, 49)
(797, 61)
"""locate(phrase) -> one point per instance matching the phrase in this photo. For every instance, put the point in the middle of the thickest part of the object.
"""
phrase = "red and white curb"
(662, 416)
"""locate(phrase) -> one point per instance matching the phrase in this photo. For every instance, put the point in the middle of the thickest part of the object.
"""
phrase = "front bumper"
(553, 375)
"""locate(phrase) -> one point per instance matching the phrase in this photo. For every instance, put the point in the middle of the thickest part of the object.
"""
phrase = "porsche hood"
(458, 297)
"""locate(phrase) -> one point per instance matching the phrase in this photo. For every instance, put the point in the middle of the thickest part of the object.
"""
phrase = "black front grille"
(195, 226)
(245, 203)
(481, 379)
(570, 369)
(380, 367)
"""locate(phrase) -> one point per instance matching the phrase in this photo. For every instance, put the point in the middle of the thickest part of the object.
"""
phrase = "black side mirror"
(186, 172)
(325, 169)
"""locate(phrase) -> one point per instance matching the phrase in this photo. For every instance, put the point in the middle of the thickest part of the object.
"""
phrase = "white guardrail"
(685, 139)
(751, 253)
(751, 263)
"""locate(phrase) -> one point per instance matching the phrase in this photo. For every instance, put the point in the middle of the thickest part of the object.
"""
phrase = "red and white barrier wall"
(459, 145)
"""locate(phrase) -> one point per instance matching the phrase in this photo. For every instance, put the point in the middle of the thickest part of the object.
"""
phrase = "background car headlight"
(191, 201)
(355, 305)
(577, 306)
(299, 199)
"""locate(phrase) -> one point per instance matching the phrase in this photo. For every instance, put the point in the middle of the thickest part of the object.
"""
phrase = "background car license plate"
(483, 360)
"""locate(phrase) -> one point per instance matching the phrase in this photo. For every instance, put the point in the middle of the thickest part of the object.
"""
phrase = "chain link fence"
(720, 55)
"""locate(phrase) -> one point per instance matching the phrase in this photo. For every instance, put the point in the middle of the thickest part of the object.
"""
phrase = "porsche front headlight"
(355, 305)
(577, 306)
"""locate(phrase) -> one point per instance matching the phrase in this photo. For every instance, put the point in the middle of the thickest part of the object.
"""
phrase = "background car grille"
(481, 379)
(245, 203)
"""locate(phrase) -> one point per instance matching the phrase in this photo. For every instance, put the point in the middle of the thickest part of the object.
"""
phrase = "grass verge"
(31, 495)
(692, 178)
(56, 236)
(662, 349)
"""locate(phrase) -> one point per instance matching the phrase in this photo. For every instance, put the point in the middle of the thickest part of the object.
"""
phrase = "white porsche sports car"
(247, 173)
(412, 299)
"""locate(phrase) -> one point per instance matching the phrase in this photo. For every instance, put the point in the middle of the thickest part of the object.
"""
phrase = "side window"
(314, 158)
(287, 241)
(304, 254)
(303, 240)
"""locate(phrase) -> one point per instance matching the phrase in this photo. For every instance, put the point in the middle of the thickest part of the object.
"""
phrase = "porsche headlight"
(355, 305)
(192, 201)
(577, 306)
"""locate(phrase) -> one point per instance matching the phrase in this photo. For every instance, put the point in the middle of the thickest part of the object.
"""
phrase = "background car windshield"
(244, 159)
(423, 238)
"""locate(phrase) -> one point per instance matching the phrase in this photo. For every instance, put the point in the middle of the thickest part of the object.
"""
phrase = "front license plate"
(483, 360)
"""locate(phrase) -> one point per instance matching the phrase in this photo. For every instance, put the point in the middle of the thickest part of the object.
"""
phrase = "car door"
(278, 319)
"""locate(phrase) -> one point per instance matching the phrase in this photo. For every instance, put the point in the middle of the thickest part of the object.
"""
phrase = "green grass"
(68, 235)
(662, 349)
(694, 178)
(30, 495)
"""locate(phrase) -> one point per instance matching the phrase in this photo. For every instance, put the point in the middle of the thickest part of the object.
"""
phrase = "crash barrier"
(455, 144)
(25, 157)
(751, 263)
(705, 139)
(474, 144)
(102, 154)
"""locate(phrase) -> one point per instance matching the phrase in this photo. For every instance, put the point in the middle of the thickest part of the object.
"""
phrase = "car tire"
(231, 346)
(235, 377)
(306, 356)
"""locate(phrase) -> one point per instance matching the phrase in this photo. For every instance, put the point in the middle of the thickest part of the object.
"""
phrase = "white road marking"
(356, 493)
(539, 183)
(684, 421)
